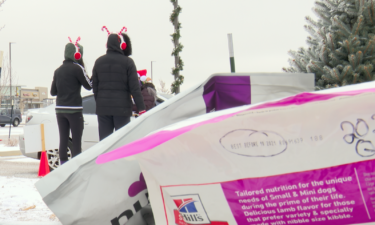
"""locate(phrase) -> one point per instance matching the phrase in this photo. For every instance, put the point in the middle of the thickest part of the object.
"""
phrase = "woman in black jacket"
(66, 85)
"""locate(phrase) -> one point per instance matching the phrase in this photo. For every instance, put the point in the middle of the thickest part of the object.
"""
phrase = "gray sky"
(263, 32)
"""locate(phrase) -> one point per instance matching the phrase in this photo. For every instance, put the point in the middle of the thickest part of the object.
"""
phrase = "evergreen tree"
(341, 46)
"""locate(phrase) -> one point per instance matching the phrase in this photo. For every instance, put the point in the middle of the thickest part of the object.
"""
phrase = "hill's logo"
(186, 205)
(191, 211)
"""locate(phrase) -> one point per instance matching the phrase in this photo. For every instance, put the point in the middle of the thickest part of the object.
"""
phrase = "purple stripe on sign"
(338, 195)
(224, 92)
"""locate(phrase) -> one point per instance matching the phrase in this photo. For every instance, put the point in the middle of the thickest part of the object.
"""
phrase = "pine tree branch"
(368, 70)
(347, 45)
(359, 57)
(312, 41)
(369, 44)
(323, 55)
(370, 15)
(322, 36)
(331, 5)
(316, 66)
(321, 6)
(351, 11)
(312, 53)
(369, 58)
(330, 39)
(335, 60)
(357, 4)
(346, 71)
(339, 23)
(296, 64)
(312, 22)
(320, 14)
(355, 78)
(352, 60)
(358, 25)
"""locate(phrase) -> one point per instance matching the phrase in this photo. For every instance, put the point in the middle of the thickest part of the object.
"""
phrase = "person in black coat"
(66, 85)
(149, 96)
(115, 80)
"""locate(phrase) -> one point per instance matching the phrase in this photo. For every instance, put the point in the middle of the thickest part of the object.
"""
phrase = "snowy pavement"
(19, 166)
(20, 202)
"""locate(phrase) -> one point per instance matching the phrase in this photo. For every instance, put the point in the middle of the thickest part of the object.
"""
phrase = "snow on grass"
(20, 201)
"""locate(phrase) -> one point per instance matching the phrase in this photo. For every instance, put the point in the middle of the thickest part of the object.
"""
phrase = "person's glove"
(141, 112)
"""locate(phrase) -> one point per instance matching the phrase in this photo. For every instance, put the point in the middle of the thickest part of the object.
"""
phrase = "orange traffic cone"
(43, 166)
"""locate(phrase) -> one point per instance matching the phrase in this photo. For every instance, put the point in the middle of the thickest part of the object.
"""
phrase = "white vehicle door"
(90, 131)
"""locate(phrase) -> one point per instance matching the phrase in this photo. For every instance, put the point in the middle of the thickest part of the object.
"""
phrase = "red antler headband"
(123, 43)
(77, 54)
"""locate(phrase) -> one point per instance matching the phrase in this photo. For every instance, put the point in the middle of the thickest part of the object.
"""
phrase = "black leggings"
(70, 122)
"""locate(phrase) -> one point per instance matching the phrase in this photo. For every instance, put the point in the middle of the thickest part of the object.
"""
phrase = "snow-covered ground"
(19, 199)
(13, 131)
(4, 134)
(20, 159)
(4, 148)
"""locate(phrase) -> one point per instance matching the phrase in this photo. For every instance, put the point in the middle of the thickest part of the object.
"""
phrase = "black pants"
(108, 123)
(70, 122)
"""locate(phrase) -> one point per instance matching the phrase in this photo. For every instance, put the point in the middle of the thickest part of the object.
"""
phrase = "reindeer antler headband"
(123, 43)
(77, 54)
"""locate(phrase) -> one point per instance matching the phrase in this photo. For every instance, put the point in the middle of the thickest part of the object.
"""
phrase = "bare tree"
(162, 88)
(5, 80)
(1, 3)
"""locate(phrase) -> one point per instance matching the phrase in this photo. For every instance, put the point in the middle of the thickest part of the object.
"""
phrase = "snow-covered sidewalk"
(20, 202)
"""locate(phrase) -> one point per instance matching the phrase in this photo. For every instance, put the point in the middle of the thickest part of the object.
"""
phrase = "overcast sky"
(263, 32)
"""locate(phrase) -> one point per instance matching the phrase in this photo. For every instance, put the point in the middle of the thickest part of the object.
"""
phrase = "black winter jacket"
(66, 85)
(115, 79)
(149, 98)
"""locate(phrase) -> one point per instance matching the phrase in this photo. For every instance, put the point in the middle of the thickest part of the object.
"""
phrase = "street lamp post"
(231, 54)
(10, 85)
(151, 70)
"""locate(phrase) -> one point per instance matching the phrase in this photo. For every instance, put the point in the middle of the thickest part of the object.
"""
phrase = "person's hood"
(70, 50)
(113, 44)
